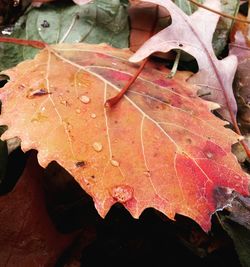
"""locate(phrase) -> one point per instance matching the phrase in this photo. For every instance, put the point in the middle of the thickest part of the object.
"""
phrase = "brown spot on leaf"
(80, 164)
(39, 92)
(122, 193)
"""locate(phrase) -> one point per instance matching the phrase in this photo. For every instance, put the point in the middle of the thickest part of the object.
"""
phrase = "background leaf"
(223, 27)
(28, 237)
(194, 35)
(241, 238)
(96, 22)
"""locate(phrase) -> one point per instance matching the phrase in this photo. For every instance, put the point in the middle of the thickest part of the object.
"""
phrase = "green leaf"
(220, 38)
(97, 22)
(186, 6)
(241, 238)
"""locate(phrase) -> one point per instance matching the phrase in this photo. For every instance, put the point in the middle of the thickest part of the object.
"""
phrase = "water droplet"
(69, 127)
(84, 99)
(21, 86)
(114, 163)
(64, 102)
(209, 155)
(122, 193)
(93, 115)
(97, 146)
(39, 117)
(78, 111)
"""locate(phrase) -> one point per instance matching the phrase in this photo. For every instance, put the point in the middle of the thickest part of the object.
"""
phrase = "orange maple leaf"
(160, 146)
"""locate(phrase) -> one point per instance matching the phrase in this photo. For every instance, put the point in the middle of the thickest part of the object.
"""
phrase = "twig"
(219, 13)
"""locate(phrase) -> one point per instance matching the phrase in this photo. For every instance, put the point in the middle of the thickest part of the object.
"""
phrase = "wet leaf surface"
(159, 147)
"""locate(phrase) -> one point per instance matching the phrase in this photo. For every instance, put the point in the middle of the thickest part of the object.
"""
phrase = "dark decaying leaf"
(28, 237)
(240, 49)
(241, 238)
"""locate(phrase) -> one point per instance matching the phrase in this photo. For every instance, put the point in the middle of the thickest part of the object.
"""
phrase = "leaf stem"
(175, 66)
(114, 100)
(33, 43)
(219, 13)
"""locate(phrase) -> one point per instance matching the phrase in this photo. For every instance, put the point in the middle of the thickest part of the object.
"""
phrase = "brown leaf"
(28, 237)
(142, 19)
(241, 49)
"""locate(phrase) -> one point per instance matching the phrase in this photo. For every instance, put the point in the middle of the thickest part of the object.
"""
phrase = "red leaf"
(159, 147)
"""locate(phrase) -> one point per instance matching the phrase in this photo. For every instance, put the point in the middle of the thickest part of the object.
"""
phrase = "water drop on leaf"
(114, 163)
(84, 99)
(97, 146)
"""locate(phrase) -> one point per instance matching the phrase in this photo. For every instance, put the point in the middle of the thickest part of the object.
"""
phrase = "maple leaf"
(159, 147)
(194, 35)
(28, 237)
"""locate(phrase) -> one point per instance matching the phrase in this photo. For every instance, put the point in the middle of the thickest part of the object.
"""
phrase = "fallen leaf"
(28, 237)
(240, 237)
(239, 151)
(240, 49)
(224, 26)
(96, 22)
(242, 92)
(239, 211)
(159, 147)
(10, 11)
(187, 6)
(194, 35)
(142, 17)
